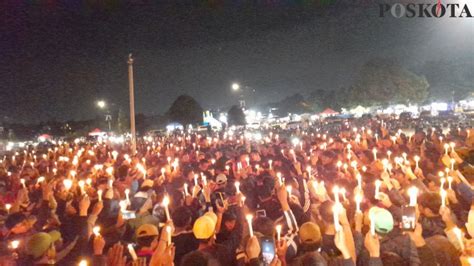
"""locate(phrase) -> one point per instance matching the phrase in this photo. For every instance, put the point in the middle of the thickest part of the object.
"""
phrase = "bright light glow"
(439, 106)
(101, 104)
(235, 86)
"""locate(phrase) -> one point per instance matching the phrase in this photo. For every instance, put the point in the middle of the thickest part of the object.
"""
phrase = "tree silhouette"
(185, 110)
(384, 81)
(235, 116)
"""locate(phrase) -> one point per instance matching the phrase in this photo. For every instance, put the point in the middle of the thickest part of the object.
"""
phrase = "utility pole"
(132, 104)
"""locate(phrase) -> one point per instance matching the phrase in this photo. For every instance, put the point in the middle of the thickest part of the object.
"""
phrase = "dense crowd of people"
(361, 196)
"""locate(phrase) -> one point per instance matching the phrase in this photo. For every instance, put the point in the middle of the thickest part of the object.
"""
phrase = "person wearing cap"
(309, 245)
(394, 246)
(204, 231)
(146, 236)
(41, 249)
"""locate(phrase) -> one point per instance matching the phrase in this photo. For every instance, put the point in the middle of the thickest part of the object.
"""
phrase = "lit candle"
(8, 206)
(288, 188)
(204, 179)
(358, 200)
(446, 147)
(442, 181)
(452, 164)
(452, 145)
(417, 159)
(413, 193)
(96, 230)
(166, 202)
(404, 155)
(278, 232)
(249, 218)
(67, 184)
(335, 210)
(237, 187)
(196, 180)
(343, 193)
(132, 252)
(459, 236)
(109, 170)
(359, 181)
(127, 194)
(389, 153)
(372, 224)
(99, 194)
(339, 164)
(443, 194)
(378, 183)
(81, 184)
(279, 178)
(163, 171)
(270, 164)
(385, 164)
(15, 244)
(22, 181)
(450, 181)
(185, 187)
(354, 164)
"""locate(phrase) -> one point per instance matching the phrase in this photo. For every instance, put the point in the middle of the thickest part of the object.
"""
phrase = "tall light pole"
(132, 104)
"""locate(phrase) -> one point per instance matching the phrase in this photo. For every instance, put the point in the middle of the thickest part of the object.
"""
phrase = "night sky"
(59, 57)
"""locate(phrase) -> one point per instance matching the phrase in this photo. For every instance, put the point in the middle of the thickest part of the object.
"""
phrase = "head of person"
(382, 219)
(229, 219)
(203, 164)
(146, 234)
(327, 157)
(197, 258)
(265, 187)
(310, 237)
(326, 212)
(18, 223)
(41, 246)
(429, 204)
(221, 180)
(182, 217)
(263, 225)
(204, 228)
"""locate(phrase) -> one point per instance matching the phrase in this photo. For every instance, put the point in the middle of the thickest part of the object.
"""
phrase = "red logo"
(438, 7)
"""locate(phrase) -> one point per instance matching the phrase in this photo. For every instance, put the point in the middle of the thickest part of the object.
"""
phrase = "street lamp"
(235, 86)
(101, 104)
